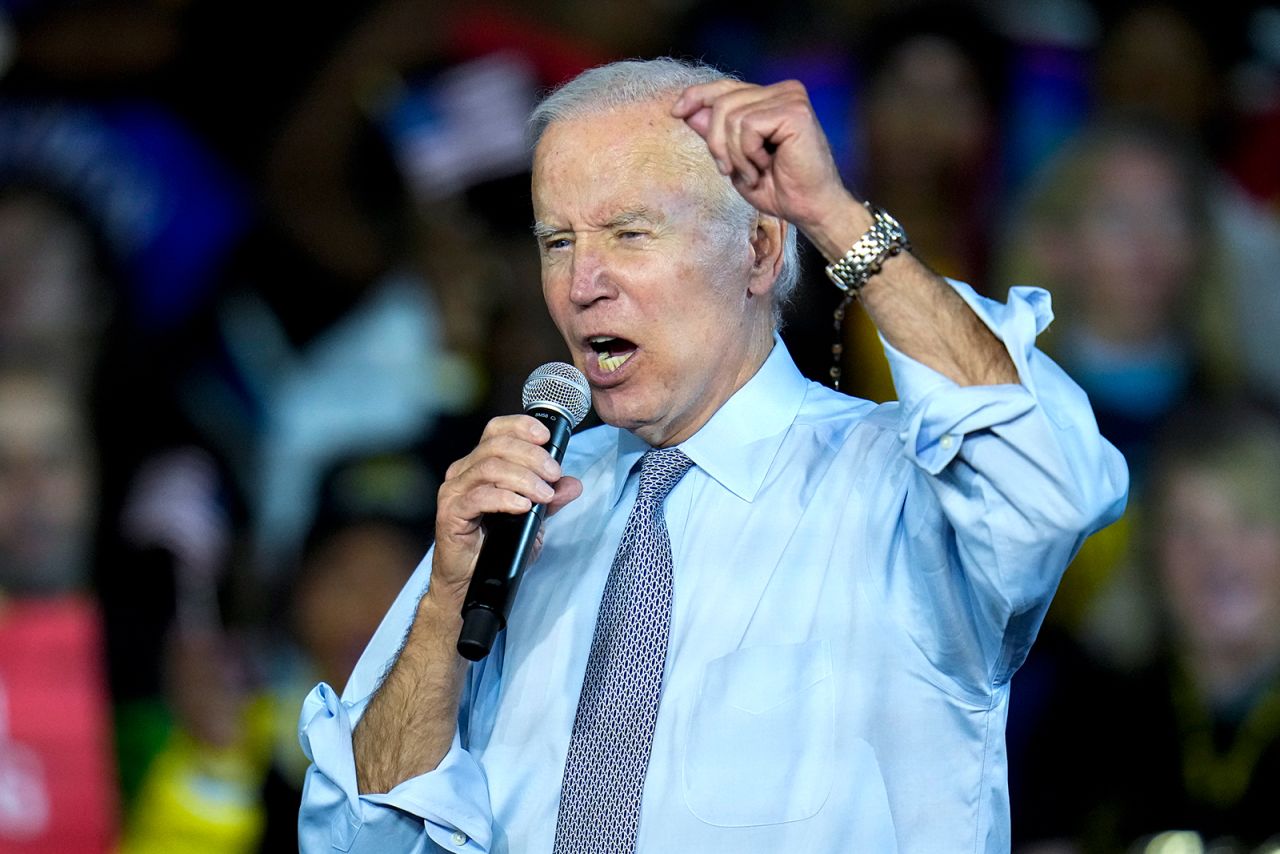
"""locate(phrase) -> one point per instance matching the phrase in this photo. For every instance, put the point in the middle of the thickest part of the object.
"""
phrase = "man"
(850, 586)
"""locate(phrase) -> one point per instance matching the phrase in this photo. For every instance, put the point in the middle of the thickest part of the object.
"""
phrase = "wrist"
(866, 258)
(836, 224)
(441, 605)
(436, 628)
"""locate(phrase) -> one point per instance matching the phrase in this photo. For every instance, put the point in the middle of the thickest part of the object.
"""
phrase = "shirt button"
(458, 838)
(947, 441)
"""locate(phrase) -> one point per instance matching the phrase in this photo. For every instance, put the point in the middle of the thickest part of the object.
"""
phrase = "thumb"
(700, 121)
(567, 489)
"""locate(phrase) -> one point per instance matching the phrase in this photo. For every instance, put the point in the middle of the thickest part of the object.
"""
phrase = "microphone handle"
(508, 547)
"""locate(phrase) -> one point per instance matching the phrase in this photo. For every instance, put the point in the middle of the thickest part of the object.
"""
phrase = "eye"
(631, 234)
(553, 243)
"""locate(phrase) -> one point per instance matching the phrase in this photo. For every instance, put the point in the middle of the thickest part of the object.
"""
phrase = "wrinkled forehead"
(637, 139)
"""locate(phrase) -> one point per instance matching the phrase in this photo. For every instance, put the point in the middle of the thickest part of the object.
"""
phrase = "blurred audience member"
(1192, 742)
(227, 775)
(184, 717)
(1216, 78)
(1157, 61)
(53, 299)
(1118, 228)
(372, 528)
(1252, 220)
(934, 83)
(47, 484)
(57, 789)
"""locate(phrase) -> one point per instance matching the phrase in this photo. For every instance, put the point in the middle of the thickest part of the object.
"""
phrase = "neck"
(757, 351)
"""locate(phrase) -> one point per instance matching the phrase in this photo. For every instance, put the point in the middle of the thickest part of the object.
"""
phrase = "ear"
(767, 241)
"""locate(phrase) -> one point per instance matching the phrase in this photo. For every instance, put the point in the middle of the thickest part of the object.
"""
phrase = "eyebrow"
(542, 230)
(632, 216)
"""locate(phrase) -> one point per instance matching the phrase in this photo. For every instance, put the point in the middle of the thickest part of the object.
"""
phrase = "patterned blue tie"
(613, 730)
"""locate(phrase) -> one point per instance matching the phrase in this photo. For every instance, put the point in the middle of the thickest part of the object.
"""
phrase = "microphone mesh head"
(560, 386)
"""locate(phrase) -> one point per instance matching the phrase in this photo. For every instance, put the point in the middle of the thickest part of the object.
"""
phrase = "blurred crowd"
(266, 269)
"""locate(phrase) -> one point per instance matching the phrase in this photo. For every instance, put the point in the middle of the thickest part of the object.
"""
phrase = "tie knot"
(660, 470)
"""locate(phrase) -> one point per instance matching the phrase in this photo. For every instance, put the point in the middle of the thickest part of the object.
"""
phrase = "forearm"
(410, 722)
(914, 309)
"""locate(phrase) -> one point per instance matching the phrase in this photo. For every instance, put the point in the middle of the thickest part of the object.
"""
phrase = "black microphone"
(557, 395)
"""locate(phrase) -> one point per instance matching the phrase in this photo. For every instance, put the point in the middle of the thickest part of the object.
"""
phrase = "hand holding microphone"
(494, 500)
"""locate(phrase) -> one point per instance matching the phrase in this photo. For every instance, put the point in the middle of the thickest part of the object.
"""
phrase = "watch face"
(883, 240)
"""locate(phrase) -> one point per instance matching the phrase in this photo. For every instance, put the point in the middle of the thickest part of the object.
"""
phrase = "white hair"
(637, 81)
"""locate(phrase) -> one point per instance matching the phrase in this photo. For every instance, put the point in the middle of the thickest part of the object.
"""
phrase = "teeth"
(612, 363)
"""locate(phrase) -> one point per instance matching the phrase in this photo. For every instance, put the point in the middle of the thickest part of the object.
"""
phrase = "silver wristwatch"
(864, 259)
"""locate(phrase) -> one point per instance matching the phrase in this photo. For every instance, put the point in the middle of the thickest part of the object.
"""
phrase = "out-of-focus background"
(265, 269)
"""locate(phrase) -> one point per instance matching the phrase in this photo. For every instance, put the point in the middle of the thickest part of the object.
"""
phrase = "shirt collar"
(737, 445)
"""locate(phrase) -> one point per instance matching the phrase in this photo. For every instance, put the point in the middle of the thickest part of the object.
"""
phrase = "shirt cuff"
(452, 801)
(937, 413)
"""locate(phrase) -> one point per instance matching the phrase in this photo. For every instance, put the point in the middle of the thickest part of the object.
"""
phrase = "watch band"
(884, 239)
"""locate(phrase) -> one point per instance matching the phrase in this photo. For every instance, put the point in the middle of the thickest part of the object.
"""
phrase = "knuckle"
(521, 451)
(490, 468)
(502, 425)
(491, 428)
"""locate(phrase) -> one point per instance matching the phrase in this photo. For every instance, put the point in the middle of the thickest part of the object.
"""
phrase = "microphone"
(557, 395)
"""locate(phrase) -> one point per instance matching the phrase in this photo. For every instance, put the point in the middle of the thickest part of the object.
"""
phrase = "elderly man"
(805, 638)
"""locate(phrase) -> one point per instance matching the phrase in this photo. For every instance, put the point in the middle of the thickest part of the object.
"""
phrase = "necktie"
(613, 729)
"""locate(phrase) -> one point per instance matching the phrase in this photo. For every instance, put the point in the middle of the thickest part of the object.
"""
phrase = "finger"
(734, 109)
(522, 452)
(731, 117)
(467, 513)
(764, 129)
(513, 449)
(745, 171)
(758, 124)
(509, 475)
(759, 149)
(522, 426)
(700, 121)
(702, 95)
(567, 489)
(527, 430)
(462, 506)
(703, 108)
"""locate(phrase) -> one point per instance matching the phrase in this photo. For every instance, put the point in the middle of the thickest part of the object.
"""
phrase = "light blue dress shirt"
(854, 587)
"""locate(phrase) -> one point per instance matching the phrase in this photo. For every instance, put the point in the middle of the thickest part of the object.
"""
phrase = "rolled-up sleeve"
(446, 809)
(1020, 471)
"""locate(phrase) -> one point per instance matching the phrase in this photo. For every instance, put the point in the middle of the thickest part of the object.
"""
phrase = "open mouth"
(612, 353)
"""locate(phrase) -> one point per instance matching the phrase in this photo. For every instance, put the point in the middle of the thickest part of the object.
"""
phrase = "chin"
(621, 420)
(615, 408)
(631, 422)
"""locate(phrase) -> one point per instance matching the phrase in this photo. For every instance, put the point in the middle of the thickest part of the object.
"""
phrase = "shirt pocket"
(761, 736)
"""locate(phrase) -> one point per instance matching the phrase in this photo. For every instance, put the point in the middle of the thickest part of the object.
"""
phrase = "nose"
(590, 279)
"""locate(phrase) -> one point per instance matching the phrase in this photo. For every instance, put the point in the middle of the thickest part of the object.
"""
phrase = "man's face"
(663, 306)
